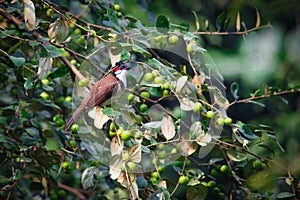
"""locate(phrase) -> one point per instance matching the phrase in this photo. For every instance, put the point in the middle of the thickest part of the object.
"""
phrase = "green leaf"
(29, 84)
(51, 51)
(245, 131)
(111, 113)
(234, 88)
(236, 154)
(33, 132)
(215, 160)
(198, 192)
(283, 195)
(141, 50)
(18, 61)
(160, 195)
(162, 23)
(221, 20)
(63, 70)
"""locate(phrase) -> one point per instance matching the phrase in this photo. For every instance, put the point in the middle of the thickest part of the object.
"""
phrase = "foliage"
(167, 136)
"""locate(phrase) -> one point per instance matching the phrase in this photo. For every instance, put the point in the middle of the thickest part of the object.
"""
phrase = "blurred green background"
(266, 57)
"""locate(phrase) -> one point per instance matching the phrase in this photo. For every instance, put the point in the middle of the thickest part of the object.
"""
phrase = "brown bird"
(102, 91)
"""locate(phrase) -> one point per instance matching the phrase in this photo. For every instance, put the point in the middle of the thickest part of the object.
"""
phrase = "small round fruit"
(143, 107)
(112, 36)
(61, 193)
(75, 128)
(211, 184)
(257, 164)
(60, 100)
(214, 172)
(131, 165)
(165, 93)
(83, 82)
(56, 117)
(148, 77)
(113, 127)
(173, 151)
(158, 38)
(138, 135)
(158, 80)
(73, 62)
(119, 14)
(14, 91)
(122, 167)
(183, 180)
(220, 121)
(66, 54)
(173, 39)
(162, 154)
(224, 169)
(197, 107)
(153, 180)
(155, 73)
(227, 121)
(263, 166)
(45, 81)
(145, 94)
(77, 31)
(210, 114)
(161, 168)
(125, 135)
(189, 48)
(112, 133)
(49, 12)
(73, 144)
(155, 175)
(44, 95)
(117, 7)
(66, 165)
(68, 99)
(130, 97)
(126, 156)
(59, 122)
(81, 40)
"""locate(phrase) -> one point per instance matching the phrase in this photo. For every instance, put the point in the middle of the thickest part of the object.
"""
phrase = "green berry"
(73, 62)
(158, 80)
(145, 94)
(56, 117)
(83, 82)
(77, 31)
(66, 165)
(183, 180)
(143, 107)
(257, 164)
(75, 128)
(130, 97)
(126, 156)
(227, 121)
(220, 121)
(148, 77)
(155, 175)
(162, 154)
(117, 7)
(60, 100)
(68, 99)
(224, 168)
(173, 151)
(214, 172)
(44, 95)
(49, 12)
(131, 165)
(211, 184)
(189, 48)
(73, 144)
(197, 107)
(45, 81)
(61, 193)
(122, 167)
(153, 180)
(160, 168)
(173, 39)
(59, 122)
(210, 114)
(112, 133)
(125, 135)
(155, 73)
(158, 38)
(81, 40)
(14, 91)
(138, 135)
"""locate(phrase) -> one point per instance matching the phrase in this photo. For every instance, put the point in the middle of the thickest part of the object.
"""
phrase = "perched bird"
(102, 91)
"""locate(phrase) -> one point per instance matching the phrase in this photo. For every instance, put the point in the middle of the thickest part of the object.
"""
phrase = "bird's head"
(121, 66)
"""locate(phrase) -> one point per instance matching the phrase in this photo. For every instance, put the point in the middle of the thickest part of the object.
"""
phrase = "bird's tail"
(74, 117)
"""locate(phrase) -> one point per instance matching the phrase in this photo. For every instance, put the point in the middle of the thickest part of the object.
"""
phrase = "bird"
(102, 90)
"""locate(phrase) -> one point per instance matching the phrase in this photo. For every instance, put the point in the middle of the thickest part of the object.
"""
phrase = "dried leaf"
(180, 83)
(45, 65)
(59, 30)
(238, 22)
(186, 104)
(196, 21)
(29, 14)
(188, 148)
(135, 153)
(116, 146)
(152, 125)
(114, 166)
(204, 139)
(257, 19)
(168, 127)
(100, 118)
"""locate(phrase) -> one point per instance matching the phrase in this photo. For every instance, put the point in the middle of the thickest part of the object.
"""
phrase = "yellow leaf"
(116, 146)
(29, 14)
(257, 19)
(135, 153)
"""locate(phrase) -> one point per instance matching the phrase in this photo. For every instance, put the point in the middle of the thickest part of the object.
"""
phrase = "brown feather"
(101, 92)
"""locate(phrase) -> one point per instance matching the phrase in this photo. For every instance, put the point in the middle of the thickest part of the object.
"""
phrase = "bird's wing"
(102, 91)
